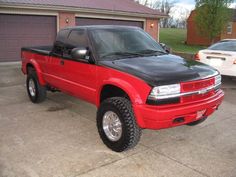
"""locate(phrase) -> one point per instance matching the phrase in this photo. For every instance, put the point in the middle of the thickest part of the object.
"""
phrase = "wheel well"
(109, 91)
(29, 66)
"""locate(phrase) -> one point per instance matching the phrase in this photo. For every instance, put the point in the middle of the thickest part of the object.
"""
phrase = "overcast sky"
(182, 9)
(191, 3)
(182, 6)
(188, 4)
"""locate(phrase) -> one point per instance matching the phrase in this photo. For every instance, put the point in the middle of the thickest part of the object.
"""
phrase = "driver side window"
(76, 38)
(59, 42)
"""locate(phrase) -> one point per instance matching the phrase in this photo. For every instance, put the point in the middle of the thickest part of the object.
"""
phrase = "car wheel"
(36, 92)
(197, 122)
(116, 124)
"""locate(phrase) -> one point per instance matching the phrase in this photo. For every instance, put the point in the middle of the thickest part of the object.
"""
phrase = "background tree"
(183, 17)
(212, 16)
(164, 6)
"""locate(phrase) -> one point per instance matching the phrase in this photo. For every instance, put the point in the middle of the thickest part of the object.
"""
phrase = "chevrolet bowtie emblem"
(203, 91)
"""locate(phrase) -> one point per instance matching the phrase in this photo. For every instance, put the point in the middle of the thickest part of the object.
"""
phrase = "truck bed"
(44, 50)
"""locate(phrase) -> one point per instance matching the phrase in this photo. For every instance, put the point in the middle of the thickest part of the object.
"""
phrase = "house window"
(229, 28)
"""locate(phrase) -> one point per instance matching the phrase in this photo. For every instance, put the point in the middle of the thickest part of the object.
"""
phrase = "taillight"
(197, 57)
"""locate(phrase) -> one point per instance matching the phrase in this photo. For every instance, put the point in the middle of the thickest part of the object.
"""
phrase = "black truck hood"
(163, 69)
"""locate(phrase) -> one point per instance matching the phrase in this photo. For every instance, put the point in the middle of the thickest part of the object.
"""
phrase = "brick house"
(193, 37)
(36, 22)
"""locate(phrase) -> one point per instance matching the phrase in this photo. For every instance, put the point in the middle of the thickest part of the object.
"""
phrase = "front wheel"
(36, 92)
(116, 124)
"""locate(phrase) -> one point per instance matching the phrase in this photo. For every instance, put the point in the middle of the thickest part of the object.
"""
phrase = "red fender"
(38, 71)
(129, 89)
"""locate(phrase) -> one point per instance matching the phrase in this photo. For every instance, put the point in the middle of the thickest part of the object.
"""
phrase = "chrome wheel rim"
(112, 126)
(32, 88)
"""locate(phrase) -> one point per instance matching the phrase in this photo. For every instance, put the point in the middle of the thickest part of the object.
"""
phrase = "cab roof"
(102, 27)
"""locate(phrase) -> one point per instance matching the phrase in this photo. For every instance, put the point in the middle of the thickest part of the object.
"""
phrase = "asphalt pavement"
(58, 138)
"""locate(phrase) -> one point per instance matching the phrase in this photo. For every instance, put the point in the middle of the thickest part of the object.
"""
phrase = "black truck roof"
(101, 27)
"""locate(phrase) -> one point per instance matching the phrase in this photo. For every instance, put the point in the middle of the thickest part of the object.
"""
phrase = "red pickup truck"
(132, 80)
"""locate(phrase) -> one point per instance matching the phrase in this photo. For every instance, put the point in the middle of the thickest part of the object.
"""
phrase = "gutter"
(81, 10)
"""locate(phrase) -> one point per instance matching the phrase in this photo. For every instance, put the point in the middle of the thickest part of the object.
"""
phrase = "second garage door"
(18, 31)
(95, 21)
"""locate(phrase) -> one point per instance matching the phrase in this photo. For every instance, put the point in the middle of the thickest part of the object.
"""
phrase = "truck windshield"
(123, 43)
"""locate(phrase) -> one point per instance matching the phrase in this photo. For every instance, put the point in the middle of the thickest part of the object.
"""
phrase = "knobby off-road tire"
(36, 92)
(197, 122)
(121, 109)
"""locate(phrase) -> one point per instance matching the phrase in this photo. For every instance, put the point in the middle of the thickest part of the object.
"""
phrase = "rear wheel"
(36, 92)
(197, 122)
(116, 124)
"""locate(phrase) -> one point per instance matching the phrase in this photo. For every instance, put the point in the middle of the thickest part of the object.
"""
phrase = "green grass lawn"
(175, 39)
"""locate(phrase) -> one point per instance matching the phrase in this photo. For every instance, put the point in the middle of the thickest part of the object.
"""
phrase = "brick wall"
(224, 34)
(193, 36)
(152, 28)
(66, 19)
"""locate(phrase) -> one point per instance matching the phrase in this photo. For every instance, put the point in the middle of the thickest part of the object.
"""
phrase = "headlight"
(217, 80)
(163, 92)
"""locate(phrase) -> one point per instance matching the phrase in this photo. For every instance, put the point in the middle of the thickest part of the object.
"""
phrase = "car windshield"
(111, 44)
(224, 46)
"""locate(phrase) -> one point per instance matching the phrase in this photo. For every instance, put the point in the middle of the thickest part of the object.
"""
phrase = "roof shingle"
(111, 5)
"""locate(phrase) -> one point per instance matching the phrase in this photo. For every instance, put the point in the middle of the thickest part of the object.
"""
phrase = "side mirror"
(80, 53)
(165, 47)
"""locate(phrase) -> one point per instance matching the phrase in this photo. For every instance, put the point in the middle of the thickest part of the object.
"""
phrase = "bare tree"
(143, 2)
(164, 6)
(183, 15)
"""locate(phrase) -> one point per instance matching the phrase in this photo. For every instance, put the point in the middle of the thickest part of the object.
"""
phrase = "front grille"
(198, 97)
(197, 85)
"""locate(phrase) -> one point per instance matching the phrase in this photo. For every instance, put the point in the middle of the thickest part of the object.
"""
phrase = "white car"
(221, 56)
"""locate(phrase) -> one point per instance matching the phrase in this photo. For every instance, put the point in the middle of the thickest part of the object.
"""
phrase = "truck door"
(53, 64)
(78, 77)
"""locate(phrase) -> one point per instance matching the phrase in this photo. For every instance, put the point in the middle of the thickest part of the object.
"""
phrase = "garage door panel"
(80, 21)
(24, 30)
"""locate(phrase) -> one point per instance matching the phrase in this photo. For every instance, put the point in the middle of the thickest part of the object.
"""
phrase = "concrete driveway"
(58, 138)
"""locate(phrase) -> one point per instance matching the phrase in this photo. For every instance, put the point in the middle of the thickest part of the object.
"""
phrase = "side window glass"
(78, 38)
(58, 48)
(59, 42)
(62, 35)
(226, 46)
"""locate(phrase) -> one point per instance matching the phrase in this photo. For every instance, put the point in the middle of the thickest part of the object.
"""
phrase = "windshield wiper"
(150, 51)
(121, 54)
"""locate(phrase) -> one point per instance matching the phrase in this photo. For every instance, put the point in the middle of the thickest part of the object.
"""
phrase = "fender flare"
(125, 86)
(38, 71)
(129, 90)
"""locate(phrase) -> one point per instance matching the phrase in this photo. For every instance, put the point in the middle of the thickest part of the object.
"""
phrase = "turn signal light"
(235, 62)
(197, 57)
